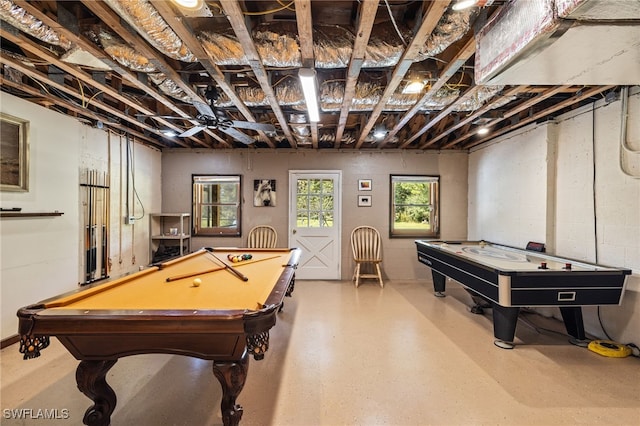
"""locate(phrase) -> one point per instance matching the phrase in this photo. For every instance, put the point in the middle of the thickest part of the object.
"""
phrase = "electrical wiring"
(280, 2)
(267, 12)
(395, 25)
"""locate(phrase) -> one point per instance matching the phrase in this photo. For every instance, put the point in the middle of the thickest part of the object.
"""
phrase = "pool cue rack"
(95, 193)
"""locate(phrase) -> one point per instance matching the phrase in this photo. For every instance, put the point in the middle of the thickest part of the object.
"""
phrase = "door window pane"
(314, 203)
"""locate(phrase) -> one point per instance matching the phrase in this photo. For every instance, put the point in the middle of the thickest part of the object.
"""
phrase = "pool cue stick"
(87, 235)
(193, 274)
(234, 271)
(103, 255)
(94, 218)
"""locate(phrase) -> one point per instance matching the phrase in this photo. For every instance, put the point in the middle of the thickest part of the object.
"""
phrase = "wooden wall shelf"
(32, 214)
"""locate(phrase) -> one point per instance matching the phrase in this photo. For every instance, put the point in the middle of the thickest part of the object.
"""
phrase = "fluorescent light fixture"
(308, 82)
(483, 131)
(464, 4)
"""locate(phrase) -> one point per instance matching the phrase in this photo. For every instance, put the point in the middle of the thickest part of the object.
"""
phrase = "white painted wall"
(42, 257)
(547, 172)
(399, 254)
(507, 195)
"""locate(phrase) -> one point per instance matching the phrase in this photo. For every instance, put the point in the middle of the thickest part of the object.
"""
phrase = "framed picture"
(264, 193)
(364, 185)
(364, 200)
(14, 153)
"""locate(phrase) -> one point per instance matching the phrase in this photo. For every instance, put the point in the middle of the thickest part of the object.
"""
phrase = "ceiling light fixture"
(308, 81)
(483, 131)
(168, 133)
(189, 4)
(380, 132)
(413, 87)
(464, 4)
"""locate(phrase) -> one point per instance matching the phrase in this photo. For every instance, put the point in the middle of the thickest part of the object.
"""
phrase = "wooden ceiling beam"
(432, 16)
(305, 37)
(124, 74)
(183, 30)
(471, 91)
(27, 45)
(91, 48)
(523, 106)
(541, 114)
(78, 110)
(366, 19)
(140, 45)
(479, 112)
(451, 69)
(236, 18)
(83, 112)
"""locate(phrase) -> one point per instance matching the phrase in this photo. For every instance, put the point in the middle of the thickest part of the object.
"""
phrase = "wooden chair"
(367, 247)
(262, 236)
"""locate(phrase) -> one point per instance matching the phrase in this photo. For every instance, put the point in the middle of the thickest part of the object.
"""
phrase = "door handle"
(294, 231)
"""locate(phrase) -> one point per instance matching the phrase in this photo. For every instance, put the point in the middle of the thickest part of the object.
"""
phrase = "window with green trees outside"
(414, 206)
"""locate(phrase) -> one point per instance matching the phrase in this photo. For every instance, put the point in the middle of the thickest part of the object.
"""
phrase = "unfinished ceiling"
(141, 67)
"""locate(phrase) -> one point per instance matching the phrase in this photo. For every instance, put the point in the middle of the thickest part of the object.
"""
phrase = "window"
(216, 205)
(414, 206)
(314, 203)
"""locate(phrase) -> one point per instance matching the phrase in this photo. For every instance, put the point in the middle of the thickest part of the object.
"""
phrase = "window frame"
(434, 232)
(196, 206)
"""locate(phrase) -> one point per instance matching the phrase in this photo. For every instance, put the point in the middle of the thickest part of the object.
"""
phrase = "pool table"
(201, 305)
(509, 278)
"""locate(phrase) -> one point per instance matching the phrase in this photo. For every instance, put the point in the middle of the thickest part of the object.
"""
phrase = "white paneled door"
(315, 222)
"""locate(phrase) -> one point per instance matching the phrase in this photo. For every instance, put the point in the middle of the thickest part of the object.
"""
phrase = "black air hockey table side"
(509, 278)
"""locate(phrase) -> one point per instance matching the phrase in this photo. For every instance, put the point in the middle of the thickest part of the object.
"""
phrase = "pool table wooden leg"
(90, 377)
(231, 376)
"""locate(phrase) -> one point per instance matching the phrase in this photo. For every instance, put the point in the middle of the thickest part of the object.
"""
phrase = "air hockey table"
(509, 278)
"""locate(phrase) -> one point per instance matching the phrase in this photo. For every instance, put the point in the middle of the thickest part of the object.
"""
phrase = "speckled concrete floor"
(346, 356)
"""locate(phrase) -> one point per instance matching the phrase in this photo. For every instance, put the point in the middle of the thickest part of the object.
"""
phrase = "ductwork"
(123, 54)
(480, 98)
(19, 18)
(140, 14)
(552, 42)
(277, 43)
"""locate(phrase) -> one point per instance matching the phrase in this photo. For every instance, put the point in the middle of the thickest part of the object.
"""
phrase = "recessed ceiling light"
(189, 4)
(413, 87)
(380, 132)
(168, 133)
(464, 4)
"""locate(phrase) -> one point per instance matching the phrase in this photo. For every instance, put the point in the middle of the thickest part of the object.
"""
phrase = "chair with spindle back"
(367, 249)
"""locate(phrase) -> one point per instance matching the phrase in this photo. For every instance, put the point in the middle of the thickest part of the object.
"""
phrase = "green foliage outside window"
(414, 206)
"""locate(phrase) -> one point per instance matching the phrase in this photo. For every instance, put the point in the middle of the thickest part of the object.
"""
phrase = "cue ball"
(197, 282)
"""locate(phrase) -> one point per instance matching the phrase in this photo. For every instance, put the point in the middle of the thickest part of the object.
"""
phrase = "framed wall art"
(264, 193)
(14, 153)
(364, 185)
(364, 200)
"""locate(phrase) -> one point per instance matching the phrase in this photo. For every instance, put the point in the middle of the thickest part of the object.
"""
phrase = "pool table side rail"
(153, 331)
